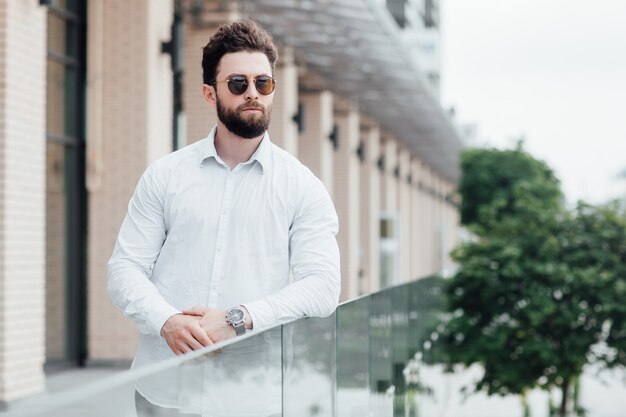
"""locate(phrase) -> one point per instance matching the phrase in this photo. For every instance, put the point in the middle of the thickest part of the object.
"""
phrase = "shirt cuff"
(158, 319)
(261, 314)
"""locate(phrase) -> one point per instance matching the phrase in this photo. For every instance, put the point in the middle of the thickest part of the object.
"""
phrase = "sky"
(552, 71)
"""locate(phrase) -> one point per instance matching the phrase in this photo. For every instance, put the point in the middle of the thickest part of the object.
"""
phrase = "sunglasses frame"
(247, 84)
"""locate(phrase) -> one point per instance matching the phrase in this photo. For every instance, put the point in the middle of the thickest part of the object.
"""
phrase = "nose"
(251, 92)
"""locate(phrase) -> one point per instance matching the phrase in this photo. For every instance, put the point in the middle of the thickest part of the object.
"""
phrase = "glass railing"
(364, 360)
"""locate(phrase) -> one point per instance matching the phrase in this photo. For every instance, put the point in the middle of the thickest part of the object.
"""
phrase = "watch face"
(235, 315)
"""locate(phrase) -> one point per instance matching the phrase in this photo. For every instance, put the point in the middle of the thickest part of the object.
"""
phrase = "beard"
(247, 126)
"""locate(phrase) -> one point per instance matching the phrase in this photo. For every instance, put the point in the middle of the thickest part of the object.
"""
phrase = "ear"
(208, 92)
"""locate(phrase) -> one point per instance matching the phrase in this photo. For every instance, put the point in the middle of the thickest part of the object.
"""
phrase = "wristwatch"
(236, 317)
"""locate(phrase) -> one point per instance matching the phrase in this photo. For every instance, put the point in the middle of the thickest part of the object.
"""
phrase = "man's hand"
(213, 322)
(183, 334)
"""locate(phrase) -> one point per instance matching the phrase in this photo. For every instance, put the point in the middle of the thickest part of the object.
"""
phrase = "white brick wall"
(22, 197)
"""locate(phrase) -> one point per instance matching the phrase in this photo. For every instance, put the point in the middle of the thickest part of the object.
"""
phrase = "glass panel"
(65, 186)
(71, 6)
(71, 39)
(400, 346)
(381, 375)
(353, 350)
(241, 379)
(56, 240)
(427, 382)
(389, 248)
(56, 34)
(309, 360)
(72, 111)
(55, 99)
(63, 36)
(62, 106)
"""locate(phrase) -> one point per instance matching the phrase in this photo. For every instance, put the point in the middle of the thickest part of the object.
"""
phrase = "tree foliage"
(539, 288)
(493, 180)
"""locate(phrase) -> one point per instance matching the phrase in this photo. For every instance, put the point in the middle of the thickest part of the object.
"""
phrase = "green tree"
(539, 287)
(492, 180)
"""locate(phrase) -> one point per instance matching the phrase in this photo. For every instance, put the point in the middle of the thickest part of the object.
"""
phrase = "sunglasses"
(238, 84)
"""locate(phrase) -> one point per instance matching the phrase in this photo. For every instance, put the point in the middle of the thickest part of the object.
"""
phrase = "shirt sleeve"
(137, 248)
(314, 263)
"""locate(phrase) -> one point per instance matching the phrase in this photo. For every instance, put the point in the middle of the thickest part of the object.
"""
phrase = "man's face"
(246, 115)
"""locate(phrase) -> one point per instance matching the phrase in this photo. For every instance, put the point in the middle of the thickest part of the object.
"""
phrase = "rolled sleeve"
(314, 264)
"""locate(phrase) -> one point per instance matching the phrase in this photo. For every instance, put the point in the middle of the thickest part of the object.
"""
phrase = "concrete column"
(389, 190)
(404, 208)
(22, 197)
(440, 226)
(346, 198)
(131, 82)
(390, 227)
(200, 117)
(314, 147)
(370, 210)
(429, 223)
(417, 211)
(283, 130)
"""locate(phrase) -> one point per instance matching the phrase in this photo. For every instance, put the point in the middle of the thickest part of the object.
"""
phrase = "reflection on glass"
(55, 99)
(56, 34)
(55, 252)
(381, 366)
(242, 380)
(70, 103)
(353, 351)
(309, 360)
(425, 373)
(376, 356)
(400, 345)
(62, 109)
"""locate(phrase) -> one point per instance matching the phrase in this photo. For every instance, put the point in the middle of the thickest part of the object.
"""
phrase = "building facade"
(92, 91)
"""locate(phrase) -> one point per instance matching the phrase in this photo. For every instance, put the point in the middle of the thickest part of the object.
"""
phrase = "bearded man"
(230, 234)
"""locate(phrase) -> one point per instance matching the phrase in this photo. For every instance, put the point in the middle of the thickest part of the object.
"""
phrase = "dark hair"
(243, 35)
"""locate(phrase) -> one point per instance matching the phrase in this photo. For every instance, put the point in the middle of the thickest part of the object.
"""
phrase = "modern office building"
(92, 91)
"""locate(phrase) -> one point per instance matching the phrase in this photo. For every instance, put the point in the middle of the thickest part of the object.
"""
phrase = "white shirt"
(198, 234)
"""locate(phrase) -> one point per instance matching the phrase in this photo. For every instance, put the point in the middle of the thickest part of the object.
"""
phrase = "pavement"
(69, 393)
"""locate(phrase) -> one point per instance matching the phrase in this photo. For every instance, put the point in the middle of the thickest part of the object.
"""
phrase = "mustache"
(252, 105)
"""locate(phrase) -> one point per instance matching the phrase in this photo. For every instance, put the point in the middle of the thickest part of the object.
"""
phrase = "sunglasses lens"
(237, 85)
(264, 85)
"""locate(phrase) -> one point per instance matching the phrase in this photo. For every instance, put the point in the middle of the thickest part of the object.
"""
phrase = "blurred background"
(478, 144)
(550, 72)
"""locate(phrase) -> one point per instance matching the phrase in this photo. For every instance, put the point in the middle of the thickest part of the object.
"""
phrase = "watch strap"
(240, 328)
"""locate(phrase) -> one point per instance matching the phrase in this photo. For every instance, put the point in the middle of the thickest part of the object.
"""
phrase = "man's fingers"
(196, 311)
(194, 344)
(181, 348)
(201, 336)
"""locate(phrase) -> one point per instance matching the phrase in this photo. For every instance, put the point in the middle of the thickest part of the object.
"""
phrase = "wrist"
(166, 324)
(247, 320)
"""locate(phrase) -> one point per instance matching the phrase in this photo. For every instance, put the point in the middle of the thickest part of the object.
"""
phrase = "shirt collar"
(262, 154)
